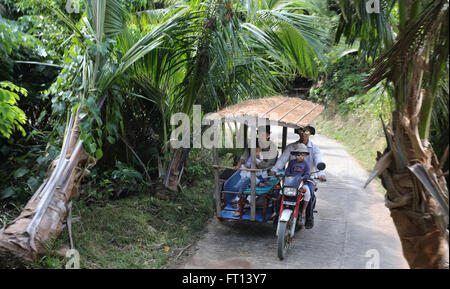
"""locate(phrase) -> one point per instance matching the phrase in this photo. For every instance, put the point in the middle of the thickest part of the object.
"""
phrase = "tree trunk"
(421, 223)
(416, 215)
(21, 242)
(175, 169)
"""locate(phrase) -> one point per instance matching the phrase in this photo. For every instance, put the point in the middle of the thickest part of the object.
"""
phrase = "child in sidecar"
(245, 179)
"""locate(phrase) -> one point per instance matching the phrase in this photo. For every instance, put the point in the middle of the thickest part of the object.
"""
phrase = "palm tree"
(211, 52)
(414, 64)
(41, 219)
(236, 50)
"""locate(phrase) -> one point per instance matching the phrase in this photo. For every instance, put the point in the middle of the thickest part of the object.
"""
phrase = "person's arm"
(307, 172)
(317, 158)
(243, 159)
(239, 164)
(281, 162)
(289, 169)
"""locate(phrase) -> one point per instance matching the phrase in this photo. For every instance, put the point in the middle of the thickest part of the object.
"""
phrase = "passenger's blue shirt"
(298, 168)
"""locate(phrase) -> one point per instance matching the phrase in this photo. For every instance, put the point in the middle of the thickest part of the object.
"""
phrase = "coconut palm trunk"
(419, 209)
(42, 218)
(212, 56)
(417, 193)
(419, 219)
(175, 169)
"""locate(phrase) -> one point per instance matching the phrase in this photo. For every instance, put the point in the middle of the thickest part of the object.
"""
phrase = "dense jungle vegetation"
(150, 60)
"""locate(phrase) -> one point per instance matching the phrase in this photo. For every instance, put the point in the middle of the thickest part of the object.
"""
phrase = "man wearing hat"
(312, 160)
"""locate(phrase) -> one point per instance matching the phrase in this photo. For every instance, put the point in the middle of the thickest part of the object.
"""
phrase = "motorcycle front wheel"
(284, 238)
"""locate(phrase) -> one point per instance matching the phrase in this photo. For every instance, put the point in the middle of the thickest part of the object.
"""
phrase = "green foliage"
(141, 231)
(15, 45)
(23, 165)
(344, 84)
(439, 130)
(29, 148)
(11, 116)
(413, 25)
(198, 166)
(121, 181)
(344, 89)
(29, 63)
(145, 62)
(173, 58)
(374, 31)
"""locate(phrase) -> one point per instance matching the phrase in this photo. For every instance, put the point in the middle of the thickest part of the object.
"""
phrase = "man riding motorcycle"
(312, 159)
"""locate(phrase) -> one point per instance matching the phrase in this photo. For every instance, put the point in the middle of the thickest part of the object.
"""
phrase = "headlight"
(290, 192)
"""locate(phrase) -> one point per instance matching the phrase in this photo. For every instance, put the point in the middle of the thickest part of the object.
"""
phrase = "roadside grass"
(138, 231)
(360, 132)
(145, 230)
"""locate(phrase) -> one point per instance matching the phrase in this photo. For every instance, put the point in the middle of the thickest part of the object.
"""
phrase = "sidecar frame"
(287, 112)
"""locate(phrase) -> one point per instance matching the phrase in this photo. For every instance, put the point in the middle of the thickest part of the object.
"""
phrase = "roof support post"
(253, 184)
(245, 136)
(283, 145)
(216, 181)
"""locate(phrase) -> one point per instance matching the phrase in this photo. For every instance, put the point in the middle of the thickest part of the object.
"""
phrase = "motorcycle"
(292, 193)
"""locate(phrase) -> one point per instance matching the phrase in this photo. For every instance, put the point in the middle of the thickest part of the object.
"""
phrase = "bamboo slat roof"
(277, 110)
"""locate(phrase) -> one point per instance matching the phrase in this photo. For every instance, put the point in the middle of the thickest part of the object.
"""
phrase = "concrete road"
(353, 228)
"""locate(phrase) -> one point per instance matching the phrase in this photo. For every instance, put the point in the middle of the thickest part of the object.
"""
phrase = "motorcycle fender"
(285, 215)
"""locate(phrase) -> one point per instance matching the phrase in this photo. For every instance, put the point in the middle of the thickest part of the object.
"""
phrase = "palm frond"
(427, 25)
(374, 31)
(116, 18)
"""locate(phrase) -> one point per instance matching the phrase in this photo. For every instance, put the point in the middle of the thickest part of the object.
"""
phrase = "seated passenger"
(269, 150)
(242, 184)
(245, 179)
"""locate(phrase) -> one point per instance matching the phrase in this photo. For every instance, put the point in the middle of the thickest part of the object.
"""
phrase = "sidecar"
(266, 197)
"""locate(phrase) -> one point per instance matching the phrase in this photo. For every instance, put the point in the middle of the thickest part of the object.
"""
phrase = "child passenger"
(245, 180)
(242, 184)
(300, 168)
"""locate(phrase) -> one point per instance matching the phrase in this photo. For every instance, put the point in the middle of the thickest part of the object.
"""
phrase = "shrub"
(344, 84)
(123, 180)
